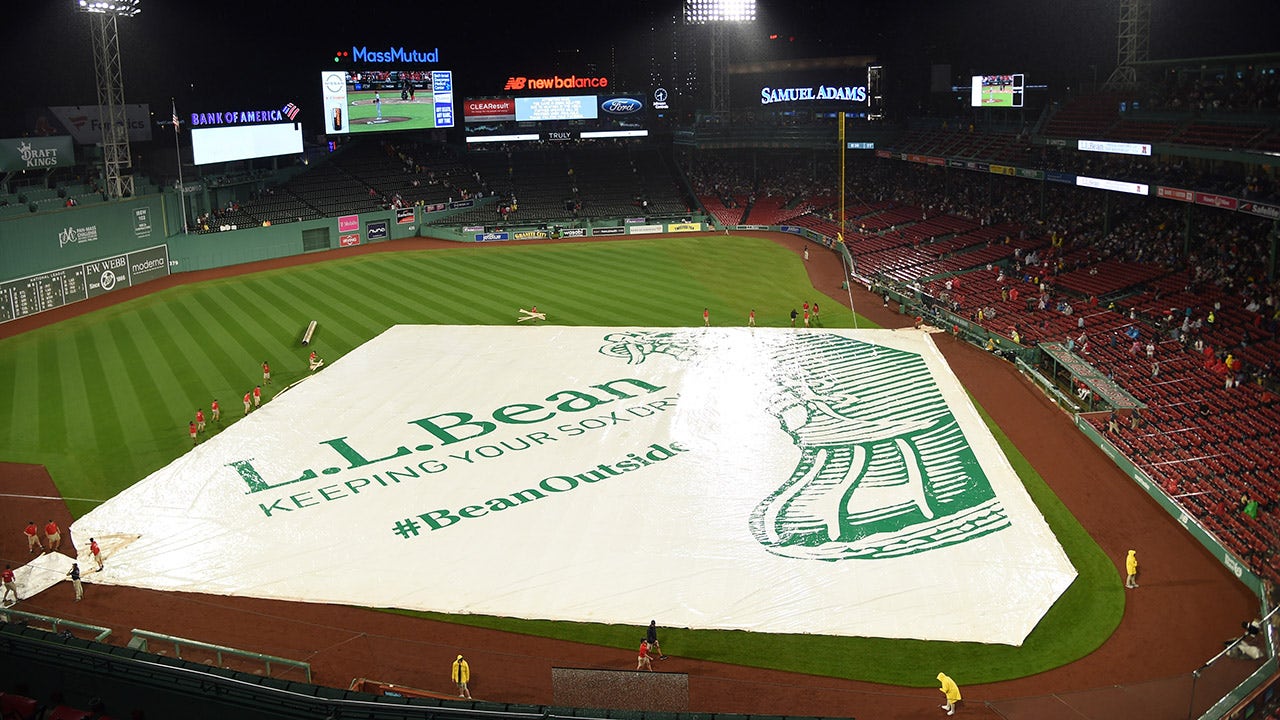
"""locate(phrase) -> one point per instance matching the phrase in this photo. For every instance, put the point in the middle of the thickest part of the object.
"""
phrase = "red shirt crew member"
(10, 585)
(215, 411)
(33, 537)
(191, 428)
(199, 420)
(96, 552)
(248, 401)
(257, 396)
(52, 532)
(642, 661)
(266, 373)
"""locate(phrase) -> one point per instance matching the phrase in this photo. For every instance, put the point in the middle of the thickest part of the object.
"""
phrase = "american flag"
(177, 126)
(291, 111)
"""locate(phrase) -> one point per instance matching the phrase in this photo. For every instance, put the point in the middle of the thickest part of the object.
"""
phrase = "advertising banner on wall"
(376, 230)
(84, 122)
(36, 153)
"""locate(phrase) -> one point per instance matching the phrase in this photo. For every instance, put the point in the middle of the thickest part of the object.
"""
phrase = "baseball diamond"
(998, 390)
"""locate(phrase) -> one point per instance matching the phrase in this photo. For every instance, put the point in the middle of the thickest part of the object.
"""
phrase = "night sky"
(263, 53)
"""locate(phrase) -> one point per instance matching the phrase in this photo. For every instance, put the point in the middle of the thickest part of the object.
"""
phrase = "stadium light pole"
(1133, 43)
(116, 158)
(718, 16)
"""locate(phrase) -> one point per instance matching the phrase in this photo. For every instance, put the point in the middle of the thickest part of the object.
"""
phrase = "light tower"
(116, 158)
(1133, 43)
(718, 16)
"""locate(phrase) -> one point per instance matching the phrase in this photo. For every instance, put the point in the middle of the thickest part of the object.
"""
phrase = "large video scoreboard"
(360, 101)
(555, 117)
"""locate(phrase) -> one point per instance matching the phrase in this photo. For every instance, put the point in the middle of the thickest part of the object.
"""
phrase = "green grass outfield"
(104, 399)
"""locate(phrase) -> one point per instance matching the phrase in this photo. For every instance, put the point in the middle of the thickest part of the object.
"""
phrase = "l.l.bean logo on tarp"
(439, 441)
(884, 468)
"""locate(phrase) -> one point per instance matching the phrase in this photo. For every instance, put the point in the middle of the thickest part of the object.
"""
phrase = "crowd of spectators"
(1188, 320)
(1251, 88)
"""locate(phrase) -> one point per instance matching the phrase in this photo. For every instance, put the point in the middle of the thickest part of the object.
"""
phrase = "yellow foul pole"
(840, 134)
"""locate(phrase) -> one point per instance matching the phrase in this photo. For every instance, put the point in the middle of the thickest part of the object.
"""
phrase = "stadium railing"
(142, 640)
(55, 625)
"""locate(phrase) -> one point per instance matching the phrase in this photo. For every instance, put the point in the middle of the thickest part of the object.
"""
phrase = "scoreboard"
(555, 117)
(48, 290)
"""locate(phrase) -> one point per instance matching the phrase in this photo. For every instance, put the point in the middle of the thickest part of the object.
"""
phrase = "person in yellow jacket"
(1131, 569)
(951, 690)
(461, 675)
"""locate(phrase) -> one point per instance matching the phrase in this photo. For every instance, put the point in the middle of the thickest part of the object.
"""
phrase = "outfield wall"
(40, 242)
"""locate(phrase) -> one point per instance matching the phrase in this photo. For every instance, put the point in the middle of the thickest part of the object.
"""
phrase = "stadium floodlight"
(703, 12)
(117, 160)
(119, 8)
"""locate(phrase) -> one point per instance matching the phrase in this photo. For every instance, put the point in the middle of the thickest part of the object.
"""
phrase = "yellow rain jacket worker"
(461, 675)
(1131, 568)
(951, 690)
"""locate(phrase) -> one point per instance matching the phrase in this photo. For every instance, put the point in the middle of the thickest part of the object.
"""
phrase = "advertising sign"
(821, 93)
(683, 227)
(349, 239)
(1113, 185)
(48, 290)
(1260, 209)
(376, 230)
(405, 216)
(486, 110)
(644, 229)
(84, 122)
(492, 236)
(531, 235)
(1120, 148)
(573, 232)
(1179, 194)
(36, 153)
(349, 223)
(518, 83)
(142, 222)
(608, 231)
(1218, 201)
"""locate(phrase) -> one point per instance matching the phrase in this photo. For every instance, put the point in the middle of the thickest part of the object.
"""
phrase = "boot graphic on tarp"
(884, 468)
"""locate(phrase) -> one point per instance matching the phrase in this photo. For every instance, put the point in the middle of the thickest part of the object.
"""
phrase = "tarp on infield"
(774, 480)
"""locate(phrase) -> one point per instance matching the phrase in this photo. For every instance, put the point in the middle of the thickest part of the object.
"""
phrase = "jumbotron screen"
(555, 117)
(997, 90)
(360, 101)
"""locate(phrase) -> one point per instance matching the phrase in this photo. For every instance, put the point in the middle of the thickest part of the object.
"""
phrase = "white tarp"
(773, 480)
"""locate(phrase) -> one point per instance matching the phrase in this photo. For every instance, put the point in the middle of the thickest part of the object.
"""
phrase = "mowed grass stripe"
(216, 337)
(350, 309)
(137, 363)
(76, 399)
(204, 360)
(477, 295)
(50, 413)
(106, 426)
(386, 294)
(368, 303)
(279, 316)
(339, 328)
(252, 336)
(10, 358)
(122, 387)
(166, 363)
(24, 428)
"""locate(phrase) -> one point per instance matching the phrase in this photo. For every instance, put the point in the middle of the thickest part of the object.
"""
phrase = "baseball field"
(101, 396)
